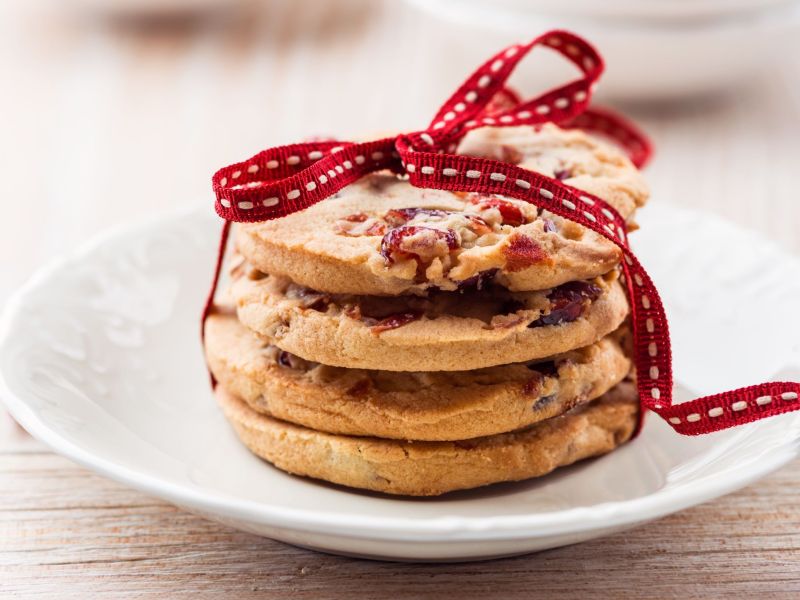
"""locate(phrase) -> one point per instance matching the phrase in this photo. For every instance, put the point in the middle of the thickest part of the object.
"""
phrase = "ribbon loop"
(287, 179)
(466, 109)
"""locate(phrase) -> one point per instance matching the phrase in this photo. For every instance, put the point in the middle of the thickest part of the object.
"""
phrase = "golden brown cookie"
(577, 159)
(433, 468)
(446, 331)
(444, 405)
(382, 236)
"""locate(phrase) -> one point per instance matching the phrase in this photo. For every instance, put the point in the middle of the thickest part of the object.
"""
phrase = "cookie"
(433, 468)
(445, 405)
(583, 162)
(382, 236)
(445, 331)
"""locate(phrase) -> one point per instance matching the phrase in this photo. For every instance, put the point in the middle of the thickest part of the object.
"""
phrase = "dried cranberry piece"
(353, 311)
(478, 225)
(395, 321)
(589, 290)
(393, 242)
(285, 359)
(567, 303)
(478, 281)
(511, 213)
(377, 228)
(310, 299)
(534, 385)
(564, 312)
(356, 218)
(522, 252)
(349, 225)
(401, 216)
(541, 370)
(562, 174)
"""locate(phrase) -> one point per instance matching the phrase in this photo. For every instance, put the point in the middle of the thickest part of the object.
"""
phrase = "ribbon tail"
(208, 308)
(729, 409)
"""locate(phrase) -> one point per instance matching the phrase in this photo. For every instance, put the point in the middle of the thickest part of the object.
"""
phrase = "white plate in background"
(651, 11)
(660, 59)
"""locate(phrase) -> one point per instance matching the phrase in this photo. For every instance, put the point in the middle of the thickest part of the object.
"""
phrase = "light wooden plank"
(68, 532)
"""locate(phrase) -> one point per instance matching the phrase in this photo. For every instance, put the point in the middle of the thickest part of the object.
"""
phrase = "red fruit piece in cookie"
(395, 321)
(479, 281)
(421, 243)
(359, 224)
(376, 228)
(534, 385)
(356, 218)
(567, 303)
(310, 299)
(511, 213)
(400, 216)
(522, 252)
(477, 225)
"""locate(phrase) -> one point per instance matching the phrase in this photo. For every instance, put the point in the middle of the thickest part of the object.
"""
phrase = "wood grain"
(109, 121)
(65, 532)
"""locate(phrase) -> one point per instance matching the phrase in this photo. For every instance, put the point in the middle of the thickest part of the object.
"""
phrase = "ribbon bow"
(286, 179)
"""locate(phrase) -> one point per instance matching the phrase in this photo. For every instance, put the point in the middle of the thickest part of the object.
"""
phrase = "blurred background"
(118, 110)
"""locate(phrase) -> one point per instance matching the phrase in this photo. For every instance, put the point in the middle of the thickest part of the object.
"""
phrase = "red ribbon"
(283, 180)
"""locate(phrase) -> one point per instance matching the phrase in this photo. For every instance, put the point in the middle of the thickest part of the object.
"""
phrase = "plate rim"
(441, 528)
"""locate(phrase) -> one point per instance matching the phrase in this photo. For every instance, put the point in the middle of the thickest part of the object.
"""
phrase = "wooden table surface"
(109, 121)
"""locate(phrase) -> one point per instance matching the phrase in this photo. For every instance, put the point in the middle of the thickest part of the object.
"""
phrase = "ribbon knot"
(286, 179)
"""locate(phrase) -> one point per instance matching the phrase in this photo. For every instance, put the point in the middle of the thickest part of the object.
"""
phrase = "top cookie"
(382, 236)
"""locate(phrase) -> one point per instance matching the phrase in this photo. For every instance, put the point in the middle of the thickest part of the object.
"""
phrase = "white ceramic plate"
(648, 11)
(100, 359)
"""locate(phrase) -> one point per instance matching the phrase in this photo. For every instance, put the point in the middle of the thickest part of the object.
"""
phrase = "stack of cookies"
(417, 341)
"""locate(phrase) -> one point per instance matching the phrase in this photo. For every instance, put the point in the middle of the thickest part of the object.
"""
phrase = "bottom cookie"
(433, 468)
